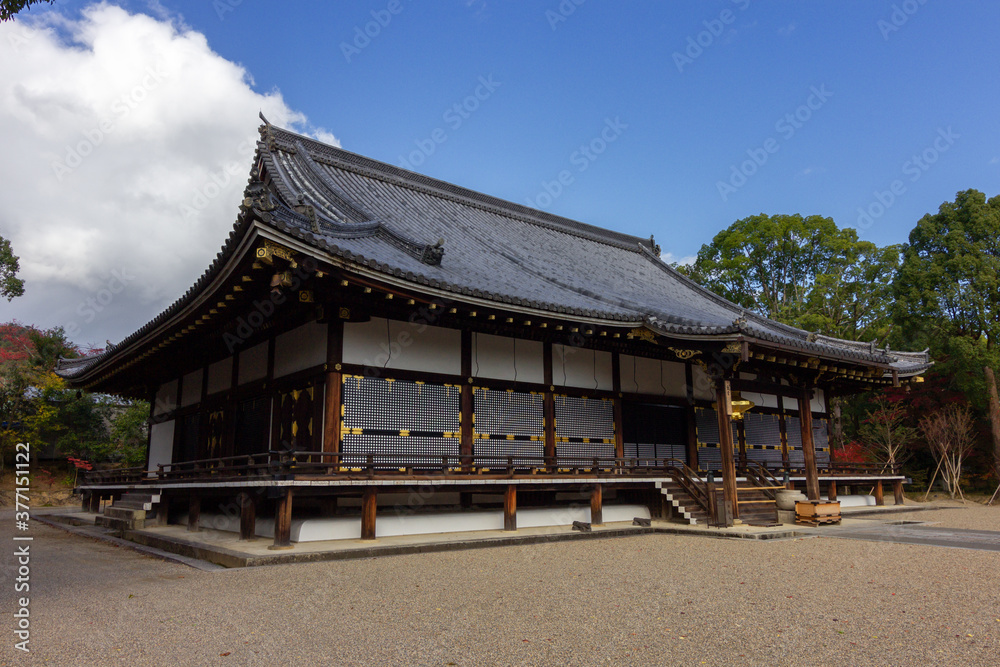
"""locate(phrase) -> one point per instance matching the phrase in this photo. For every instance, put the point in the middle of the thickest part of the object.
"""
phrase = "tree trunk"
(991, 384)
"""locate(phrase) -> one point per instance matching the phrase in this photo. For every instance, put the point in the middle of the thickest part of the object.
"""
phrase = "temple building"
(372, 347)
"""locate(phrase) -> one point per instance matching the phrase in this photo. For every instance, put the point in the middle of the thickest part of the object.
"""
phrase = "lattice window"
(821, 439)
(187, 449)
(296, 429)
(709, 454)
(509, 424)
(585, 427)
(253, 422)
(215, 434)
(763, 438)
(401, 423)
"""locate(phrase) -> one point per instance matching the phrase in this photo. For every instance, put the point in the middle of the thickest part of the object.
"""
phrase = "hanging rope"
(662, 386)
(515, 358)
(635, 380)
(597, 382)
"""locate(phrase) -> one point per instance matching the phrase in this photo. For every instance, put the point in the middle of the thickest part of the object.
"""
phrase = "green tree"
(949, 282)
(9, 8)
(10, 284)
(802, 271)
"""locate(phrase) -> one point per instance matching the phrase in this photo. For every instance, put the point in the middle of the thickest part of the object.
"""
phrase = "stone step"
(120, 524)
(116, 512)
(132, 504)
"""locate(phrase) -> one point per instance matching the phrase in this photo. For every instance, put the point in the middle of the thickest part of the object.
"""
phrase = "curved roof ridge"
(366, 166)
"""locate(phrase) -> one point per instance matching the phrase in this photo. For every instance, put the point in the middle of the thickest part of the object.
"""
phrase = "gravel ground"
(973, 516)
(656, 599)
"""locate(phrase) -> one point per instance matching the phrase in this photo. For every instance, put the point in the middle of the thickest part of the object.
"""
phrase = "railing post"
(597, 505)
(510, 508)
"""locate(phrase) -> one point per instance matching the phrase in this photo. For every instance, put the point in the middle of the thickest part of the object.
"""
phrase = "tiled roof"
(390, 220)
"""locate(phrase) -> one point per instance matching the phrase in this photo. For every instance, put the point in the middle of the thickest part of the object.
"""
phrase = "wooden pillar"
(549, 406)
(466, 417)
(283, 521)
(194, 512)
(248, 517)
(597, 505)
(692, 421)
(832, 493)
(616, 382)
(369, 505)
(897, 491)
(724, 401)
(510, 507)
(94, 502)
(808, 447)
(879, 498)
(334, 394)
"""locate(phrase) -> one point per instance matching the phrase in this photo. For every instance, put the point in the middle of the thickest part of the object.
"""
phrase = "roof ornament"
(871, 346)
(309, 211)
(652, 244)
(257, 196)
(741, 320)
(433, 254)
(813, 337)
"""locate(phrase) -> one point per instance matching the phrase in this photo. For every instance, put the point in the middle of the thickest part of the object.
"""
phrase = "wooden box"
(816, 512)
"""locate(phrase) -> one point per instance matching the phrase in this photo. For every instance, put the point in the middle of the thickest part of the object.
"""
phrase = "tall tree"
(8, 8)
(949, 282)
(10, 284)
(802, 271)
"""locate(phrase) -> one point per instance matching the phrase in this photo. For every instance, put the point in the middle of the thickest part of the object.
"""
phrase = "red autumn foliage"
(852, 452)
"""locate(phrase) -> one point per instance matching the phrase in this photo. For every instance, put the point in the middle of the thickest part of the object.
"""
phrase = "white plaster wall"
(166, 398)
(652, 376)
(761, 400)
(403, 346)
(300, 348)
(191, 387)
(818, 403)
(575, 367)
(220, 375)
(702, 384)
(161, 443)
(493, 357)
(388, 524)
(253, 363)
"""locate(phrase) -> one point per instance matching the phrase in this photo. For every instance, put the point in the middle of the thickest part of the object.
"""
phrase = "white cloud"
(128, 142)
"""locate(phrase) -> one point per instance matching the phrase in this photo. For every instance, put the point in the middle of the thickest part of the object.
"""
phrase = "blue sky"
(669, 118)
(893, 87)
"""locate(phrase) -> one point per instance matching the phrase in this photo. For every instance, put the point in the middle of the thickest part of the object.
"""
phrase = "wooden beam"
(597, 505)
(879, 497)
(510, 508)
(832, 493)
(334, 398)
(466, 443)
(549, 405)
(897, 491)
(369, 505)
(808, 446)
(724, 400)
(248, 516)
(194, 513)
(283, 521)
(94, 502)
